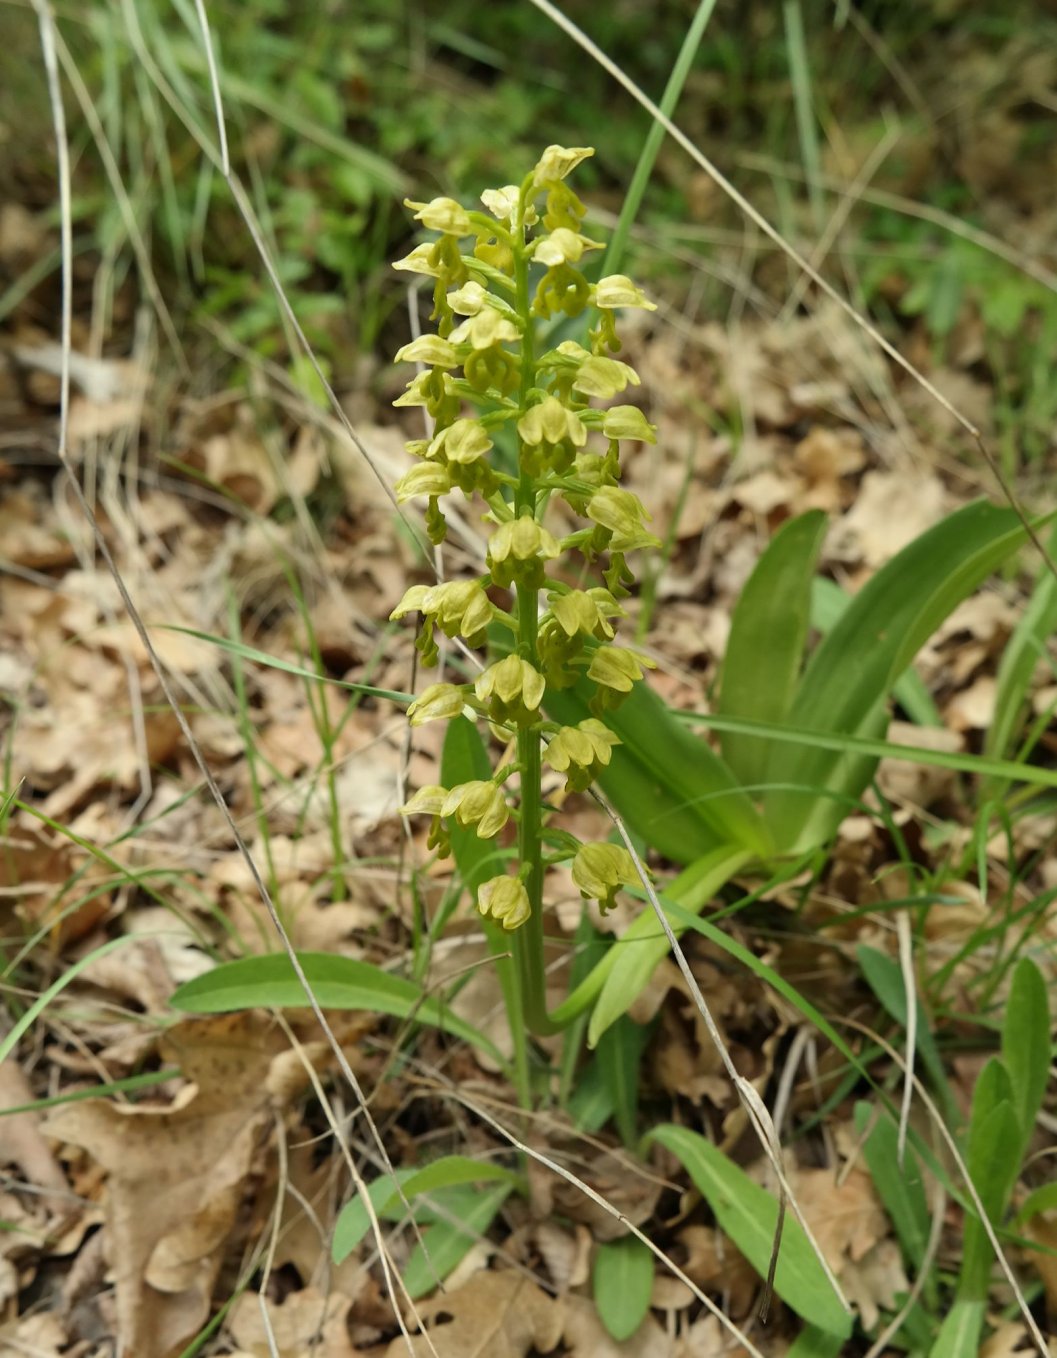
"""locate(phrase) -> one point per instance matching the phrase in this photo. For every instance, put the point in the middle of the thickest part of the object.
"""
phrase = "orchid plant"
(498, 274)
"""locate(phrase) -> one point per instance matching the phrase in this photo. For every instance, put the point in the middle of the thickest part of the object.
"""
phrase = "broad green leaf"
(749, 1215)
(1042, 1199)
(446, 1243)
(855, 666)
(1026, 1044)
(812, 1342)
(632, 960)
(768, 632)
(670, 787)
(1020, 656)
(619, 1056)
(899, 1186)
(994, 1166)
(829, 603)
(622, 1280)
(353, 1221)
(270, 982)
(959, 1335)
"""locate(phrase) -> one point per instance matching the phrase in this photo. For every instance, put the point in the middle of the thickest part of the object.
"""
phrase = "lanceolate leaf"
(855, 666)
(766, 646)
(623, 1279)
(1026, 1044)
(749, 1215)
(337, 982)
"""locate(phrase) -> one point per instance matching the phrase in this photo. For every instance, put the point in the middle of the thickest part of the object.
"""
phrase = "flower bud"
(425, 478)
(513, 689)
(581, 752)
(505, 900)
(600, 870)
(558, 161)
(628, 422)
(517, 550)
(438, 702)
(617, 290)
(480, 804)
(443, 214)
(431, 349)
(621, 513)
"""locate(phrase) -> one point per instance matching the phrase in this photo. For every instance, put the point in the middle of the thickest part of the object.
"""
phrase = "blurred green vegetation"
(336, 111)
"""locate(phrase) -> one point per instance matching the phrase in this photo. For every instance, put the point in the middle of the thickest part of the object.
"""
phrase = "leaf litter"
(151, 1208)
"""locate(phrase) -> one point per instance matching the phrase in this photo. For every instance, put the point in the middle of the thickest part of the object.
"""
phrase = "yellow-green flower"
(438, 702)
(562, 246)
(464, 441)
(600, 870)
(517, 550)
(550, 422)
(484, 329)
(617, 668)
(617, 290)
(458, 607)
(425, 478)
(581, 752)
(504, 899)
(558, 161)
(431, 349)
(480, 804)
(501, 203)
(628, 422)
(622, 514)
(443, 214)
(513, 690)
(586, 612)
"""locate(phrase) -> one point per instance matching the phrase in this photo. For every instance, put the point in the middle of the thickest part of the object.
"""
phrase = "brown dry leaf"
(305, 1322)
(176, 1176)
(717, 1265)
(1042, 1228)
(496, 1315)
(891, 509)
(42, 1336)
(847, 1218)
(21, 1141)
(875, 1281)
(586, 1337)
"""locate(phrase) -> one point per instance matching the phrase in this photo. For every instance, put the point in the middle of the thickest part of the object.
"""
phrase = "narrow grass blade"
(749, 1215)
(768, 633)
(622, 1280)
(338, 983)
(959, 1335)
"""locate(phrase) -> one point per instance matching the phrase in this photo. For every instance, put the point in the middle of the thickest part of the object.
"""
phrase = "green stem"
(528, 940)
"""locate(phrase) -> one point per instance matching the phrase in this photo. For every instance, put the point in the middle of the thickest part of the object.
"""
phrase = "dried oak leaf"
(496, 1315)
(176, 1176)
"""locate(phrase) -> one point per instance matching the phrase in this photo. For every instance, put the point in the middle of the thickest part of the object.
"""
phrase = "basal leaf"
(446, 1242)
(622, 1280)
(353, 1222)
(765, 649)
(270, 982)
(855, 666)
(749, 1215)
(1026, 1050)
